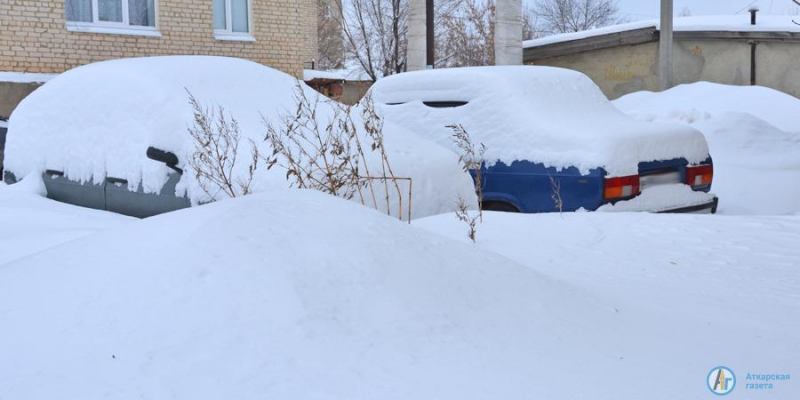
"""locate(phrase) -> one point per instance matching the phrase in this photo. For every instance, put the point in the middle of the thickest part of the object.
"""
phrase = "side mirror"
(165, 157)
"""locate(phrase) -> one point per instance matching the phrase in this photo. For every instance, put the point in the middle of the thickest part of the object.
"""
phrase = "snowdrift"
(289, 295)
(753, 133)
(97, 121)
(293, 294)
(550, 115)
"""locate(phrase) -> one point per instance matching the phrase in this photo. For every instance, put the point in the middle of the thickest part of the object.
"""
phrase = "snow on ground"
(25, 77)
(32, 223)
(753, 134)
(697, 281)
(296, 294)
(724, 23)
(554, 116)
(132, 104)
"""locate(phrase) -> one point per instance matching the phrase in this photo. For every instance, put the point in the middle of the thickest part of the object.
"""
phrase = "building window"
(232, 20)
(112, 16)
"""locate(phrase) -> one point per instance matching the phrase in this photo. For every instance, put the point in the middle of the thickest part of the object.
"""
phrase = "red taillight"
(700, 175)
(624, 186)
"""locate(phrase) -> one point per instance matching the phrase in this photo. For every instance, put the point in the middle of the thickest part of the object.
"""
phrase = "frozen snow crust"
(541, 114)
(97, 121)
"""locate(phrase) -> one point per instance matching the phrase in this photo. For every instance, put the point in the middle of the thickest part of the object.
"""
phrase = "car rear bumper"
(704, 208)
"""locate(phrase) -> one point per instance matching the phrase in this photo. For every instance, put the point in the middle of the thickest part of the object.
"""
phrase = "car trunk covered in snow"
(753, 132)
(94, 124)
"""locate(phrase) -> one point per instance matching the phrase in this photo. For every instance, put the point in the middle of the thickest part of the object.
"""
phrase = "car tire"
(499, 206)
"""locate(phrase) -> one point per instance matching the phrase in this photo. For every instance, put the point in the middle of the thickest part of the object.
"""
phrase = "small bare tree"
(330, 37)
(561, 16)
(216, 139)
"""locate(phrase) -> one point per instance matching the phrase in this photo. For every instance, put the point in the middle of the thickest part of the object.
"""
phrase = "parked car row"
(553, 143)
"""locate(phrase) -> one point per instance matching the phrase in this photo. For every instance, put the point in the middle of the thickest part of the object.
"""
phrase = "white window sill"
(234, 37)
(113, 30)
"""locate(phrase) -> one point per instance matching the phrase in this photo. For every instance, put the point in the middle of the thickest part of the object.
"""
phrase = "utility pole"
(665, 45)
(417, 35)
(508, 33)
(430, 30)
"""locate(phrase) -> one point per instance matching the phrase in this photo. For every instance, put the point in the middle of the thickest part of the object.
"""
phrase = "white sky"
(649, 9)
(646, 9)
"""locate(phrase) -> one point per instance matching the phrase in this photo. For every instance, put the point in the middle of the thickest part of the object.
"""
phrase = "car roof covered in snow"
(550, 115)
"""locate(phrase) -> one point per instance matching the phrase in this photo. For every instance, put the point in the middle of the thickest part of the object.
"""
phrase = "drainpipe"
(665, 45)
(429, 54)
(753, 46)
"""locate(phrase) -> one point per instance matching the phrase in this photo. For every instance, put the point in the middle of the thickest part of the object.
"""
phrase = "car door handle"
(116, 181)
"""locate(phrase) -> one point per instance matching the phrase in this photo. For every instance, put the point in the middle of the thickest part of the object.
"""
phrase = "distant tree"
(685, 12)
(561, 16)
(375, 32)
(466, 37)
(330, 50)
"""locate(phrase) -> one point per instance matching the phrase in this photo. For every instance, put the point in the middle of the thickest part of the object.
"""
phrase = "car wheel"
(499, 206)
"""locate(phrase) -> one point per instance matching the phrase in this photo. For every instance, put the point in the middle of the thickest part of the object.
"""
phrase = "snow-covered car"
(553, 140)
(115, 135)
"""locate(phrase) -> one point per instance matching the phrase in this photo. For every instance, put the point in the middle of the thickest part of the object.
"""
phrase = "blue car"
(553, 141)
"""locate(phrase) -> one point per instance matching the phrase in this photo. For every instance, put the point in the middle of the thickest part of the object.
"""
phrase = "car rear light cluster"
(700, 175)
(621, 187)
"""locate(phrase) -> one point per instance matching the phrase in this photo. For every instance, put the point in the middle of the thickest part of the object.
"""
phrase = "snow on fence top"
(25, 77)
(97, 121)
(549, 115)
(721, 23)
(311, 74)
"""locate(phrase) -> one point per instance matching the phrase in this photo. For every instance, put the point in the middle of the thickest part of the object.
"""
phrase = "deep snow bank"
(550, 115)
(298, 295)
(293, 294)
(96, 121)
(753, 133)
(30, 223)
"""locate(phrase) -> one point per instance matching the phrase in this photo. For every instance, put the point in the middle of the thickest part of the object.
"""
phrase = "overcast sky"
(649, 9)
(646, 9)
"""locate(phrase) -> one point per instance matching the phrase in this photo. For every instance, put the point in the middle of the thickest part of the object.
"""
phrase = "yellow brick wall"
(34, 37)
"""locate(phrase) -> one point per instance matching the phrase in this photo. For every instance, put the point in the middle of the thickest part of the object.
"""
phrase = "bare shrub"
(330, 157)
(556, 196)
(216, 139)
(471, 157)
(462, 213)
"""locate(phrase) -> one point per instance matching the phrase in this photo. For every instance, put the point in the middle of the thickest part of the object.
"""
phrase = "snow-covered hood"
(550, 115)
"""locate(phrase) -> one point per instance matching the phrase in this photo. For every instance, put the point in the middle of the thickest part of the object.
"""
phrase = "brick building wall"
(34, 37)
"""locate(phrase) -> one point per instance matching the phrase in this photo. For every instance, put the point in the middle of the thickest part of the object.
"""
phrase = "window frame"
(112, 27)
(228, 33)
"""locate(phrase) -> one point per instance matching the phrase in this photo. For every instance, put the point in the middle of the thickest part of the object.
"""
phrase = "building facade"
(52, 36)
(728, 50)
